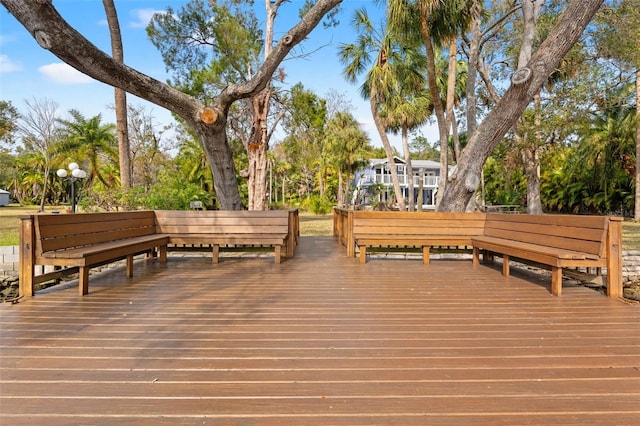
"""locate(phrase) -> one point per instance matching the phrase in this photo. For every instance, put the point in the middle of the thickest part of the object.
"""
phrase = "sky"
(29, 72)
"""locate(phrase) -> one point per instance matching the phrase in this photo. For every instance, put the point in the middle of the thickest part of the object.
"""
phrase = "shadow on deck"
(319, 339)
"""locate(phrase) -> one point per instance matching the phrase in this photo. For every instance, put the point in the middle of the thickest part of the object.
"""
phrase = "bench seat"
(424, 242)
(84, 241)
(557, 241)
(277, 241)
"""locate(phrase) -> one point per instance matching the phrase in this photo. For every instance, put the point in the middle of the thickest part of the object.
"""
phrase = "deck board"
(319, 339)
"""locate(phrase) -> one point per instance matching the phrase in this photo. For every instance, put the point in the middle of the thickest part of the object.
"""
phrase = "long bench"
(414, 230)
(79, 242)
(277, 229)
(557, 241)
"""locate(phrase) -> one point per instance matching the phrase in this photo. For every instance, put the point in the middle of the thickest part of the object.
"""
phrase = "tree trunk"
(409, 167)
(531, 159)
(341, 201)
(120, 97)
(257, 150)
(525, 84)
(636, 215)
(531, 145)
(220, 157)
(443, 131)
(388, 150)
(53, 33)
(451, 88)
(474, 54)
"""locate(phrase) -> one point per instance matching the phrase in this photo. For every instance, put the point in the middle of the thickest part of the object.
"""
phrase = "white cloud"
(7, 65)
(63, 74)
(142, 17)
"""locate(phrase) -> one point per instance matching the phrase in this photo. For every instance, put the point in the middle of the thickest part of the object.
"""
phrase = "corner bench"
(78, 242)
(84, 241)
(555, 241)
(558, 241)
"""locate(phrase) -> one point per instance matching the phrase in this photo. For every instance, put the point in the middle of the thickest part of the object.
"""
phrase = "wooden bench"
(79, 242)
(272, 228)
(557, 241)
(421, 230)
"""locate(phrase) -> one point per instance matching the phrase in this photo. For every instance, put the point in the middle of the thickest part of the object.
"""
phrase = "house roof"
(416, 164)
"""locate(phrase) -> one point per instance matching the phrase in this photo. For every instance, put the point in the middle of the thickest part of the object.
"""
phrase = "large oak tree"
(209, 122)
(525, 83)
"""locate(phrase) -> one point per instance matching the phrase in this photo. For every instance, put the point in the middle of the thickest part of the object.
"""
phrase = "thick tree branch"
(544, 61)
(279, 52)
(53, 33)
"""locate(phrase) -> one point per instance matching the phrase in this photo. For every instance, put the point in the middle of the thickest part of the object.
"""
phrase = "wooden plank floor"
(320, 339)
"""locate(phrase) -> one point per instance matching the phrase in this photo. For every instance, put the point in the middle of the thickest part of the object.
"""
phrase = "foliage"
(169, 193)
(503, 185)
(317, 204)
(9, 116)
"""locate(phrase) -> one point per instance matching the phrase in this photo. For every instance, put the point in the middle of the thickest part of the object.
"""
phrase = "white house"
(4, 197)
(373, 184)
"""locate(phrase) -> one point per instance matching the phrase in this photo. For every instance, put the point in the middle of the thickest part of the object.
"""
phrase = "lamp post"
(76, 174)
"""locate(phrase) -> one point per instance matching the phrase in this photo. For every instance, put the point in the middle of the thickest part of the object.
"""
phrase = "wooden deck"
(319, 339)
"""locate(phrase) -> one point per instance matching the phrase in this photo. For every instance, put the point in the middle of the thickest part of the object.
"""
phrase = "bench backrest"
(56, 232)
(586, 234)
(418, 223)
(222, 222)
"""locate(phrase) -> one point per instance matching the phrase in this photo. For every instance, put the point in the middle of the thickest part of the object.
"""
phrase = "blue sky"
(29, 72)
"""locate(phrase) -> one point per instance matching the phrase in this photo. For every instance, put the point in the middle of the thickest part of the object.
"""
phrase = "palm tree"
(91, 140)
(120, 97)
(604, 156)
(436, 22)
(379, 50)
(345, 144)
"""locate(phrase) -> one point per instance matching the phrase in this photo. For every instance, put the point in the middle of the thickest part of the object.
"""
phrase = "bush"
(317, 204)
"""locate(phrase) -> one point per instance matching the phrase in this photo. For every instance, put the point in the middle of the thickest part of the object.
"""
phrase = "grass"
(310, 225)
(630, 235)
(10, 222)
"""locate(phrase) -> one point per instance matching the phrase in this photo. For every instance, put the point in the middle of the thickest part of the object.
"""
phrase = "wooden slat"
(414, 229)
(319, 340)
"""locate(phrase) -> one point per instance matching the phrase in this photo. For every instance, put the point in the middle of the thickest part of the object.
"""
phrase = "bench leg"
(215, 253)
(163, 254)
(129, 266)
(505, 265)
(556, 280)
(83, 280)
(277, 252)
(363, 254)
(426, 251)
(476, 256)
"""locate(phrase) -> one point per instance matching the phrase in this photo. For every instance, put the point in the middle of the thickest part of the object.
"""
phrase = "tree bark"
(451, 89)
(408, 166)
(53, 33)
(637, 206)
(472, 73)
(120, 101)
(257, 151)
(525, 84)
(387, 149)
(438, 107)
(531, 140)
